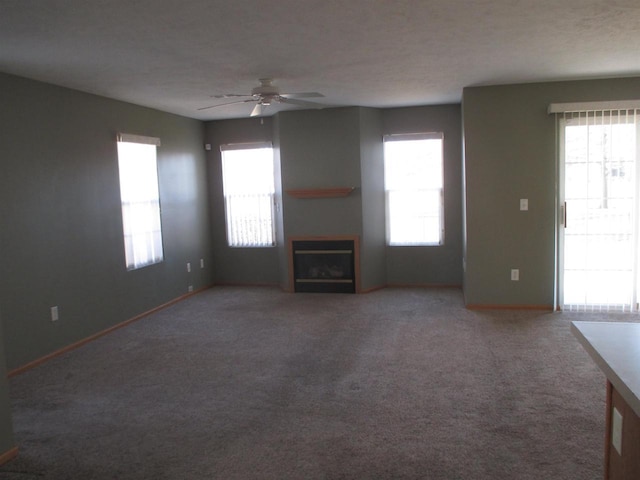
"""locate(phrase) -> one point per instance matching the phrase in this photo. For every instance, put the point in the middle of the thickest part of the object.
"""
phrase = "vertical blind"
(598, 152)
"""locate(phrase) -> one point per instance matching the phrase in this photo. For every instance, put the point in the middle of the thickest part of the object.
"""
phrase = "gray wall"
(340, 147)
(7, 441)
(61, 239)
(258, 266)
(321, 149)
(373, 270)
(434, 265)
(509, 155)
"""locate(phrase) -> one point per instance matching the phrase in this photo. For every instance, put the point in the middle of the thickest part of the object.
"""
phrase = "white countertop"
(615, 347)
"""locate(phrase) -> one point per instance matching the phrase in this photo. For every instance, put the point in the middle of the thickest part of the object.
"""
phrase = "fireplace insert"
(324, 266)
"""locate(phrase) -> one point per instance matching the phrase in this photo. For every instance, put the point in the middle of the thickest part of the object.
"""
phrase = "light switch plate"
(616, 430)
(524, 204)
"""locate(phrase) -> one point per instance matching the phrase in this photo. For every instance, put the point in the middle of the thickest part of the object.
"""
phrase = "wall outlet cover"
(616, 430)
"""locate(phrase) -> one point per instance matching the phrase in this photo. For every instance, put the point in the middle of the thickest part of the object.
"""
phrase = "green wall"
(509, 154)
(373, 270)
(340, 147)
(321, 149)
(432, 265)
(257, 266)
(61, 239)
(7, 441)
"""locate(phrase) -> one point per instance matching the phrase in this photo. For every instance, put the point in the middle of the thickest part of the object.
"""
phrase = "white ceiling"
(174, 54)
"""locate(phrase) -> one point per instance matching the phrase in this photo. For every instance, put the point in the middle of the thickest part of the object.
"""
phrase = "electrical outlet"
(515, 274)
(202, 263)
(188, 267)
(616, 430)
(524, 204)
(190, 288)
(54, 314)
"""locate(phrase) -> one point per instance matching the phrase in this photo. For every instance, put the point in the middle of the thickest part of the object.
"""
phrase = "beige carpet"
(253, 383)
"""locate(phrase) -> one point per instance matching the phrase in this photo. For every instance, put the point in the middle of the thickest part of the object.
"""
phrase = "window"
(140, 200)
(249, 188)
(414, 189)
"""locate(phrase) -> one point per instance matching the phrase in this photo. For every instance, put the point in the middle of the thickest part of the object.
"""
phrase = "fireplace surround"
(324, 264)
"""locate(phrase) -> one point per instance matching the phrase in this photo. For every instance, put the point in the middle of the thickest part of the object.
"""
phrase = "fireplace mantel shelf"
(320, 192)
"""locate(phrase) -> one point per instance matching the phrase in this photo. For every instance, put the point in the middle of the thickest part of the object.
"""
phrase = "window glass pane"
(414, 186)
(140, 199)
(413, 164)
(414, 217)
(249, 188)
(248, 171)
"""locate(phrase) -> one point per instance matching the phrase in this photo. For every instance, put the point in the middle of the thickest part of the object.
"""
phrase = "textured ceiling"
(174, 55)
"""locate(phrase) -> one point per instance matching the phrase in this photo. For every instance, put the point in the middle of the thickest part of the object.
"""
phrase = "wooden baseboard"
(424, 285)
(95, 336)
(545, 308)
(246, 284)
(8, 455)
(398, 285)
(372, 289)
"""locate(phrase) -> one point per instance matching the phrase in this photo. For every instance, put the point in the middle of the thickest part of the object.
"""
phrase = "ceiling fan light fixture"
(267, 94)
(268, 99)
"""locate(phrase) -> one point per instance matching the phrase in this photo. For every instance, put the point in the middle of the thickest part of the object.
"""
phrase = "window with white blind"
(249, 190)
(598, 187)
(413, 177)
(137, 165)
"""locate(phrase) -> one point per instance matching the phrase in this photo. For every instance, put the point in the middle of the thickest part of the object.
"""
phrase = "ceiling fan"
(266, 94)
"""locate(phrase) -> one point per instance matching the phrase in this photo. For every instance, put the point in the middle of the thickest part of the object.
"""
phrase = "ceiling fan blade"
(302, 95)
(257, 110)
(228, 103)
(300, 103)
(230, 95)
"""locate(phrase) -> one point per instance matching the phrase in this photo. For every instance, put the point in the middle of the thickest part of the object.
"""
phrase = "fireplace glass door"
(324, 266)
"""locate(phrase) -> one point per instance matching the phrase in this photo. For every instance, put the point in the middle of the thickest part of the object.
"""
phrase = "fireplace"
(324, 265)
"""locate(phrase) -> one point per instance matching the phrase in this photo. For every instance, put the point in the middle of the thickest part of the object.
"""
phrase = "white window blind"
(249, 190)
(413, 171)
(140, 199)
(585, 107)
(598, 152)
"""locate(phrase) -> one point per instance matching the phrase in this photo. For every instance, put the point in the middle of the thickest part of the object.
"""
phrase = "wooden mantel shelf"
(320, 192)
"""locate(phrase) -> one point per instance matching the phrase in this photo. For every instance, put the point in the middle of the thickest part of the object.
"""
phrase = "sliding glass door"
(598, 254)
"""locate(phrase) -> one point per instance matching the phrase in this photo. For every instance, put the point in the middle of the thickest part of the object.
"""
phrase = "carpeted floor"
(253, 383)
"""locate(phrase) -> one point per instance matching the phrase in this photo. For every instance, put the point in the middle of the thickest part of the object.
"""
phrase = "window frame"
(439, 190)
(231, 236)
(136, 240)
